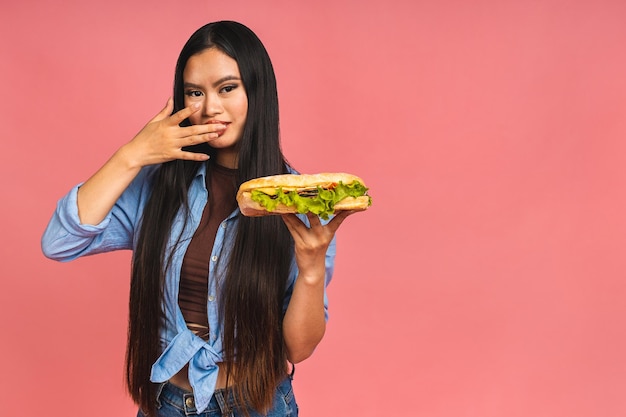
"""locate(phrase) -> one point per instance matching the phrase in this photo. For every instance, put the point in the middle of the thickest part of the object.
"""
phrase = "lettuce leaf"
(321, 204)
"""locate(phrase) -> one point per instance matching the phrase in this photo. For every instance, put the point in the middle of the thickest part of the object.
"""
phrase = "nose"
(212, 105)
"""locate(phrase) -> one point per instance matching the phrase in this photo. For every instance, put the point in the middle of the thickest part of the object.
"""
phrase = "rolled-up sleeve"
(66, 239)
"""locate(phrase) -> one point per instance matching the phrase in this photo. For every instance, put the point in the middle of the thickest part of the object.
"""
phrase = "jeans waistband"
(179, 398)
(221, 401)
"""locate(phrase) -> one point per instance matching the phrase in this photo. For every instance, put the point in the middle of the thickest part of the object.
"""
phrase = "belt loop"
(158, 394)
(225, 409)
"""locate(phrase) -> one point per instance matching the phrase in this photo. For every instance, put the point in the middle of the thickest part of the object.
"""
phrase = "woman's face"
(212, 79)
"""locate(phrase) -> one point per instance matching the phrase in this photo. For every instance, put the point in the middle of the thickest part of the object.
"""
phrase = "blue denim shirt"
(66, 239)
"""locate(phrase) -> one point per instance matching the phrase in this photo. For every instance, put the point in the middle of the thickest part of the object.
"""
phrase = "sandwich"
(321, 194)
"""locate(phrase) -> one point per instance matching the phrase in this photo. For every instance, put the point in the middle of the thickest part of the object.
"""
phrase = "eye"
(228, 88)
(193, 93)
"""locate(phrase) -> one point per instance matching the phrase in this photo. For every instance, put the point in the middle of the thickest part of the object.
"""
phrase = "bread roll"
(292, 182)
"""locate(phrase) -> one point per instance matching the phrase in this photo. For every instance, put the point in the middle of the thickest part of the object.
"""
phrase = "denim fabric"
(66, 239)
(173, 401)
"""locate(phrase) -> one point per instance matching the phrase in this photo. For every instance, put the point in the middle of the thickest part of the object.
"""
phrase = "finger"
(314, 220)
(193, 156)
(294, 224)
(195, 140)
(166, 111)
(178, 117)
(291, 220)
(212, 128)
(336, 221)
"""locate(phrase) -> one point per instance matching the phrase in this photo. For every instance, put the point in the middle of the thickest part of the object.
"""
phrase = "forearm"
(304, 323)
(305, 320)
(97, 196)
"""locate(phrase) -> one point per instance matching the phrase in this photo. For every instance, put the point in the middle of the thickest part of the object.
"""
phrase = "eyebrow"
(216, 83)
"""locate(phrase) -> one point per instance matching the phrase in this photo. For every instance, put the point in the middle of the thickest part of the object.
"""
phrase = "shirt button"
(223, 225)
(189, 402)
(214, 258)
(211, 298)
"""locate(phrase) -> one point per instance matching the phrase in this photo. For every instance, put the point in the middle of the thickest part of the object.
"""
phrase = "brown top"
(194, 279)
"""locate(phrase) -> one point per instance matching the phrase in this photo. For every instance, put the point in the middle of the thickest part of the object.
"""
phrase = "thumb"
(165, 112)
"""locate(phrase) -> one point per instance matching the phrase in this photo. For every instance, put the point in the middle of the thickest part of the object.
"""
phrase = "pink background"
(486, 280)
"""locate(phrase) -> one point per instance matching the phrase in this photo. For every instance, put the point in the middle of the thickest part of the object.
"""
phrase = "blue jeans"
(173, 401)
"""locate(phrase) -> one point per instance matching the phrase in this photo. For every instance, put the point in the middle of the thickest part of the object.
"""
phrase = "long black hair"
(260, 258)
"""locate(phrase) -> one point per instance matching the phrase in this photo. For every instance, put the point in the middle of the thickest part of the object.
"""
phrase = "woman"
(220, 304)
